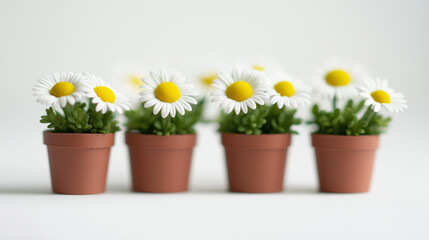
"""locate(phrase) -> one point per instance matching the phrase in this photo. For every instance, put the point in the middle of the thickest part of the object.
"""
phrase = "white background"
(391, 38)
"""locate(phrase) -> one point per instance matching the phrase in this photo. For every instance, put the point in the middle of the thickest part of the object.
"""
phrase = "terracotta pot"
(160, 164)
(78, 161)
(345, 163)
(256, 163)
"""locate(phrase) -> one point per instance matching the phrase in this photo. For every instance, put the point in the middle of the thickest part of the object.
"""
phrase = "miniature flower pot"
(345, 163)
(78, 161)
(160, 164)
(256, 163)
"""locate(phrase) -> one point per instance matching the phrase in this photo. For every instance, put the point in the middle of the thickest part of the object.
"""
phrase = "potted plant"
(347, 138)
(256, 136)
(161, 135)
(80, 131)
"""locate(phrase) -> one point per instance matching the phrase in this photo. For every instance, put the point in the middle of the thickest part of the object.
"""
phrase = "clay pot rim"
(265, 134)
(344, 142)
(152, 141)
(78, 140)
(136, 132)
(346, 136)
(58, 133)
(259, 141)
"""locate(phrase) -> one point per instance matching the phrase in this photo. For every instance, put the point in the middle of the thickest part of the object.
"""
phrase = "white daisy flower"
(206, 78)
(238, 90)
(377, 94)
(168, 93)
(58, 89)
(128, 79)
(105, 97)
(259, 67)
(340, 80)
(286, 91)
(134, 81)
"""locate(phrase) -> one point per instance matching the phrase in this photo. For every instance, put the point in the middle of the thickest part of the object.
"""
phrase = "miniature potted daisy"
(80, 131)
(161, 135)
(346, 138)
(256, 136)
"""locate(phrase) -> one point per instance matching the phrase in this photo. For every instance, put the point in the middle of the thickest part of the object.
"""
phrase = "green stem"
(334, 102)
(207, 120)
(369, 114)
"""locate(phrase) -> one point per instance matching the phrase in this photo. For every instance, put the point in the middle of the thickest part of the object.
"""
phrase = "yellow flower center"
(285, 88)
(258, 67)
(208, 79)
(135, 81)
(106, 94)
(167, 92)
(62, 89)
(338, 78)
(380, 96)
(239, 91)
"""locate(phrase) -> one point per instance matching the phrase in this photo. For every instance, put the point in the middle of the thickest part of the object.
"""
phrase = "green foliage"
(250, 123)
(377, 125)
(281, 120)
(262, 120)
(77, 119)
(144, 121)
(347, 122)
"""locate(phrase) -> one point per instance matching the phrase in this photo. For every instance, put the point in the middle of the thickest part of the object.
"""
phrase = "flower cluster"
(167, 93)
(338, 82)
(255, 100)
(66, 94)
(244, 88)
(166, 100)
(262, 101)
(59, 89)
(260, 88)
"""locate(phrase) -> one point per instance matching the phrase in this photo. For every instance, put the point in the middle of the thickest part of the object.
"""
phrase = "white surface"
(396, 208)
(39, 37)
